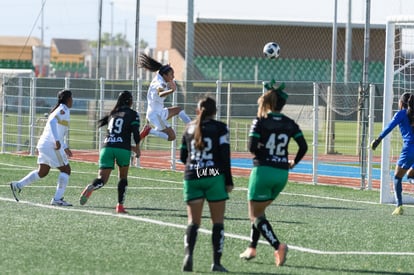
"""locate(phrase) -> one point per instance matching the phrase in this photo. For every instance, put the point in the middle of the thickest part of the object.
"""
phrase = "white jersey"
(60, 116)
(155, 102)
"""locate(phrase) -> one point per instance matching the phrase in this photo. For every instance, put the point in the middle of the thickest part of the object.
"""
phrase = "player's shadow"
(153, 209)
(238, 272)
(308, 206)
(344, 270)
(230, 218)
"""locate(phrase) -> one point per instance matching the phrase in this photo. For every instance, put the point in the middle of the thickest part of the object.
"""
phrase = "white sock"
(28, 179)
(63, 180)
(159, 134)
(184, 117)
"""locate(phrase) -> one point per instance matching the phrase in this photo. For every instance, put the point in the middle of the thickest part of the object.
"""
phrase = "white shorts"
(159, 119)
(53, 158)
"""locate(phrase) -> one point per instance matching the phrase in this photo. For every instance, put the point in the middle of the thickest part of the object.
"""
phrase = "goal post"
(398, 78)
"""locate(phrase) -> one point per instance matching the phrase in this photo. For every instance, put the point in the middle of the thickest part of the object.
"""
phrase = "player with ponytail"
(205, 151)
(162, 85)
(122, 121)
(269, 138)
(53, 150)
(404, 118)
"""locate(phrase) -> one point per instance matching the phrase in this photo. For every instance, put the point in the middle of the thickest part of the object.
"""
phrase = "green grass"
(316, 221)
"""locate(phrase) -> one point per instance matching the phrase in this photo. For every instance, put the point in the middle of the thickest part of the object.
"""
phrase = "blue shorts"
(406, 159)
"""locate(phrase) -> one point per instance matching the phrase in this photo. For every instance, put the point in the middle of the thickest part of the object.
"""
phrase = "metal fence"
(335, 121)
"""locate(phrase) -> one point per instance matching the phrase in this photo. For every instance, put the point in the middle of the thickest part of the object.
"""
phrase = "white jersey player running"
(161, 86)
(53, 151)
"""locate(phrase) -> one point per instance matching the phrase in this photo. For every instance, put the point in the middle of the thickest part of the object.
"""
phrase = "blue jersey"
(406, 159)
(401, 119)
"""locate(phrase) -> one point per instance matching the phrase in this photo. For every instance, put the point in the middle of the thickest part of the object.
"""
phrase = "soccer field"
(329, 229)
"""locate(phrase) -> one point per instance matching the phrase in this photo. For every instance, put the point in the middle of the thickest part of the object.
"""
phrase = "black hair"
(207, 108)
(407, 102)
(153, 65)
(124, 99)
(63, 97)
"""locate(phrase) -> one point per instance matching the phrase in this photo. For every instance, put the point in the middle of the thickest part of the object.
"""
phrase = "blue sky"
(79, 18)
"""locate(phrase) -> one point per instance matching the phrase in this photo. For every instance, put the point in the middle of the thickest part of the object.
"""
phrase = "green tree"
(119, 40)
(143, 44)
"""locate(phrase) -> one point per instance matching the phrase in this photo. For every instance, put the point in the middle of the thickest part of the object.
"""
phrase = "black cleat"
(15, 190)
(188, 263)
(218, 268)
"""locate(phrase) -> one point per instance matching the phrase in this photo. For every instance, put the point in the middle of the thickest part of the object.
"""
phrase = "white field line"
(205, 231)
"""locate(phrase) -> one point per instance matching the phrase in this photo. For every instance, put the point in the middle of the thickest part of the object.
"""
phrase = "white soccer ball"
(271, 50)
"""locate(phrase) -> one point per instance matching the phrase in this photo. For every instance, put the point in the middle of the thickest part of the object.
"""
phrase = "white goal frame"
(386, 192)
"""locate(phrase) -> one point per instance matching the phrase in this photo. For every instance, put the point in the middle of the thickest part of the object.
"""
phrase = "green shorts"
(109, 155)
(266, 183)
(210, 188)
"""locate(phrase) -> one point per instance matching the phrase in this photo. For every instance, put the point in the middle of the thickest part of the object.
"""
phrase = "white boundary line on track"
(205, 231)
(180, 183)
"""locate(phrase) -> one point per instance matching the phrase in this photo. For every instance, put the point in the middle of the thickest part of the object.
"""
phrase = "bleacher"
(64, 67)
(283, 69)
(16, 64)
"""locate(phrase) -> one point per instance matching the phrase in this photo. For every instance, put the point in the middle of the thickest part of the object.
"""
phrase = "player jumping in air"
(161, 86)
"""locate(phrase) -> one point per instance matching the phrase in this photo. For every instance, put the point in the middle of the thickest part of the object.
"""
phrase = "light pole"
(99, 46)
(42, 34)
(112, 61)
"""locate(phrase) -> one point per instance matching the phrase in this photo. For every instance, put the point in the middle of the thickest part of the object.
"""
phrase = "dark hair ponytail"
(207, 108)
(124, 99)
(63, 97)
(410, 108)
(153, 65)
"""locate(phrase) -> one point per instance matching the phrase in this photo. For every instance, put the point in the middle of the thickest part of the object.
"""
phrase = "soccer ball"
(271, 50)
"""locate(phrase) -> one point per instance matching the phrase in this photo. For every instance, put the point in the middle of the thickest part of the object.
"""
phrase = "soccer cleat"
(120, 209)
(86, 193)
(398, 211)
(188, 263)
(15, 190)
(218, 268)
(280, 254)
(60, 202)
(248, 254)
(145, 131)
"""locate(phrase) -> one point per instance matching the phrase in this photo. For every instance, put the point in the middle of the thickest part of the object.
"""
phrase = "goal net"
(398, 78)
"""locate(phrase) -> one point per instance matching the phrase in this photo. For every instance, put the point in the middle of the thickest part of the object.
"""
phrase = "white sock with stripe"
(28, 179)
(63, 180)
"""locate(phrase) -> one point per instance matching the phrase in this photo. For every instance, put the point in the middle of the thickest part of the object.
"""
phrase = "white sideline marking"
(109, 186)
(180, 183)
(302, 249)
(205, 231)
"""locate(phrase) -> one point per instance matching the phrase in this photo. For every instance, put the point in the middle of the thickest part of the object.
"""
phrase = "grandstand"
(16, 53)
(223, 49)
(257, 68)
(67, 57)
(232, 50)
